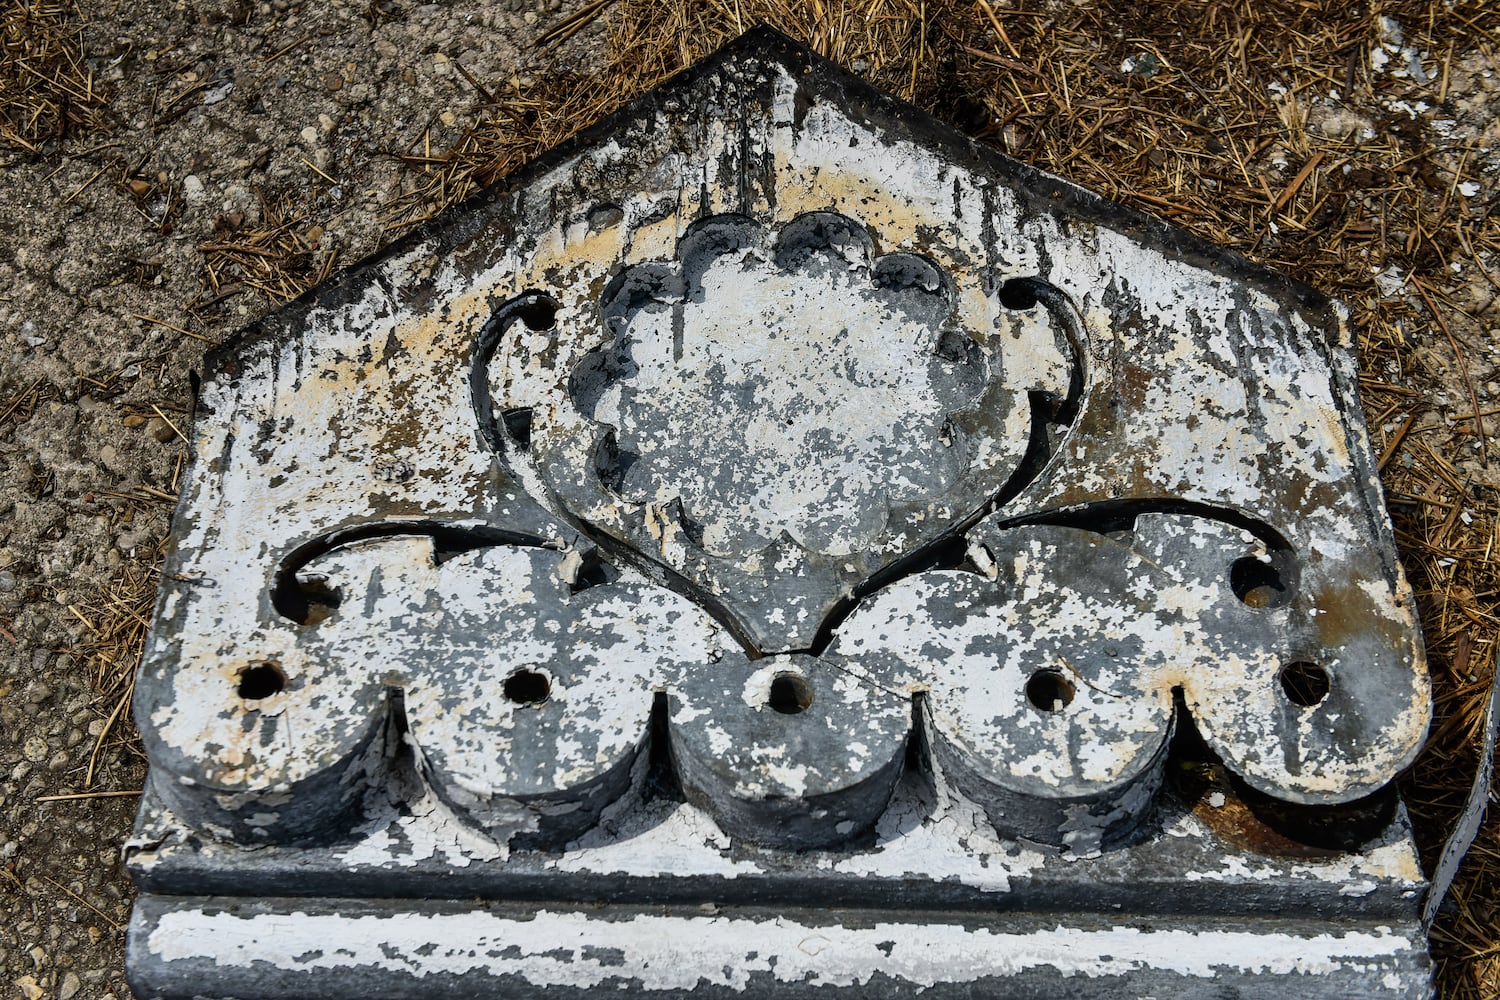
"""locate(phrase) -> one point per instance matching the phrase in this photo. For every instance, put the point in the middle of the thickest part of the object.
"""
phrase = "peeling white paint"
(794, 418)
(658, 953)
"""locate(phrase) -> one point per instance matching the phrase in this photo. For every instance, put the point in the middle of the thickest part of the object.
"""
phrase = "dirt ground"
(218, 110)
(226, 153)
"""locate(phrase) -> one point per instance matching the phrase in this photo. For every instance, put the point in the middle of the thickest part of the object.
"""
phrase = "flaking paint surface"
(799, 413)
(661, 953)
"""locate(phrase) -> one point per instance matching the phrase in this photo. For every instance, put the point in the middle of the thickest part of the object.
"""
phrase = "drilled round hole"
(1305, 683)
(538, 313)
(1258, 583)
(790, 694)
(527, 687)
(1049, 691)
(260, 680)
(1018, 293)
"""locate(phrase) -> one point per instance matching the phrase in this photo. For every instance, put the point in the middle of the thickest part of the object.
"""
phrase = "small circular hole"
(790, 694)
(1257, 583)
(1305, 683)
(1018, 293)
(1049, 691)
(260, 680)
(538, 313)
(527, 687)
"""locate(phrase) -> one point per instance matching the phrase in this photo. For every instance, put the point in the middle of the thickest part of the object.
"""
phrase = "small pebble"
(160, 429)
(218, 93)
(333, 81)
(134, 420)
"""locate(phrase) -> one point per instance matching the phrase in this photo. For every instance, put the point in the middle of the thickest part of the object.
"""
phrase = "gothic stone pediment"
(772, 486)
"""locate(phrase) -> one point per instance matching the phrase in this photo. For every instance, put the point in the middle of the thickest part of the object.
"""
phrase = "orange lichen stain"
(1236, 823)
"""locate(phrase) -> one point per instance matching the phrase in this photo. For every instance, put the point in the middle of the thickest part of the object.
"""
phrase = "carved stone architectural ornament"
(774, 546)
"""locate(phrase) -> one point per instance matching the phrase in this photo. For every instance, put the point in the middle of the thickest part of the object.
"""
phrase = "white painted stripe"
(678, 953)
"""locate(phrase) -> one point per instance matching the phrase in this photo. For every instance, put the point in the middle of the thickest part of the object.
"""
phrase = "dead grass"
(279, 257)
(47, 91)
(115, 623)
(910, 47)
(1217, 129)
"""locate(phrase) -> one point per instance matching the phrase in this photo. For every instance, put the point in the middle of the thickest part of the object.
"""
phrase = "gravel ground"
(230, 118)
(220, 109)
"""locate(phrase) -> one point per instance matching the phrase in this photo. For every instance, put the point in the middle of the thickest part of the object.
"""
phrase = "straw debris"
(47, 89)
(280, 257)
